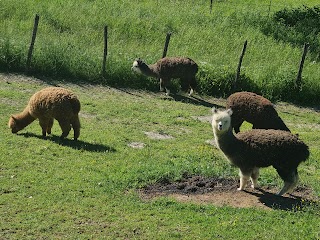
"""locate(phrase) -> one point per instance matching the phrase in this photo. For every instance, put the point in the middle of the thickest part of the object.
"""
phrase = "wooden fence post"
(105, 51)
(166, 45)
(269, 8)
(33, 39)
(299, 78)
(240, 63)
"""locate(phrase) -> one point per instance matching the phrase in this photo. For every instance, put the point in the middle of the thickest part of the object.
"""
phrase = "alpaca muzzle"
(13, 130)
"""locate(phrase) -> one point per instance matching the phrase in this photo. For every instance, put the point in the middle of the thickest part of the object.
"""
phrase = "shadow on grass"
(176, 97)
(195, 100)
(191, 100)
(78, 144)
(292, 203)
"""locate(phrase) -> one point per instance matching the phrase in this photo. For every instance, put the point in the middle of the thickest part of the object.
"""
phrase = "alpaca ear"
(214, 110)
(229, 111)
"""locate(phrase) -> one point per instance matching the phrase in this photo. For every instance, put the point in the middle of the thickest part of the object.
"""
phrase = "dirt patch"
(205, 119)
(223, 192)
(158, 136)
(138, 145)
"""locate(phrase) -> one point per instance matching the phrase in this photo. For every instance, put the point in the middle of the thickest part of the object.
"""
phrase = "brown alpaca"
(259, 148)
(255, 109)
(46, 105)
(168, 68)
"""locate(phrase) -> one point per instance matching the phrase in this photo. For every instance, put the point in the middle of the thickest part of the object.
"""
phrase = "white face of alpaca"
(135, 67)
(221, 120)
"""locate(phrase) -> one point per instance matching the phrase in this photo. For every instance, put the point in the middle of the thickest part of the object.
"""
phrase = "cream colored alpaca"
(46, 105)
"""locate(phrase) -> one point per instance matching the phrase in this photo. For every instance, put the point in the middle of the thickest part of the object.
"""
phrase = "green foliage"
(297, 26)
(69, 43)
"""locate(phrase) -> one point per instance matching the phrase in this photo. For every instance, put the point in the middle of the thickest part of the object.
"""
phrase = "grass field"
(52, 189)
(69, 43)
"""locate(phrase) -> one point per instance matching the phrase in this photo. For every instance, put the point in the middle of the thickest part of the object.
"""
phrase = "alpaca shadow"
(78, 144)
(193, 100)
(271, 200)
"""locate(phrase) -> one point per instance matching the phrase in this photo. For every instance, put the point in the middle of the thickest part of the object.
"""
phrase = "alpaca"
(170, 67)
(258, 148)
(46, 105)
(255, 109)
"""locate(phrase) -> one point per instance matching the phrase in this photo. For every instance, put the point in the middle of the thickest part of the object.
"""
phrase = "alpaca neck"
(226, 141)
(24, 118)
(151, 70)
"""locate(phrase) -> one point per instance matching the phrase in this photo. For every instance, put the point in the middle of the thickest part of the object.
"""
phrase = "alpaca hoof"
(239, 189)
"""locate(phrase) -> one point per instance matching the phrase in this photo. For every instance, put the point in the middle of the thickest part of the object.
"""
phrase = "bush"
(297, 26)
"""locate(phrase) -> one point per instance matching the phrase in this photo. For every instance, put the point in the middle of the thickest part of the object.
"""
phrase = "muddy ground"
(223, 192)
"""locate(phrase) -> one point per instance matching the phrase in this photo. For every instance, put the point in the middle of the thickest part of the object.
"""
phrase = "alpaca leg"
(163, 85)
(192, 86)
(185, 85)
(44, 122)
(65, 127)
(49, 127)
(190, 92)
(290, 178)
(254, 178)
(244, 177)
(76, 127)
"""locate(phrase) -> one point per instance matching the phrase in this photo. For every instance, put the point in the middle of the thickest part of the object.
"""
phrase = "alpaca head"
(139, 66)
(14, 124)
(221, 120)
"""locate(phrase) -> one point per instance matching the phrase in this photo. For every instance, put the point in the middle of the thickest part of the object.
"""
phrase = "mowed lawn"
(53, 189)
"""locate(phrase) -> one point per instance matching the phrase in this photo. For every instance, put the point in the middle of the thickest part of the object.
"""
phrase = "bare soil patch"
(138, 145)
(158, 136)
(223, 192)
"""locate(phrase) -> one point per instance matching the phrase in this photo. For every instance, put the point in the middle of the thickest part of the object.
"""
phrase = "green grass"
(86, 190)
(69, 43)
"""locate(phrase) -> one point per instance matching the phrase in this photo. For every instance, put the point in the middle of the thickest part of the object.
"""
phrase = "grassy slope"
(52, 189)
(70, 42)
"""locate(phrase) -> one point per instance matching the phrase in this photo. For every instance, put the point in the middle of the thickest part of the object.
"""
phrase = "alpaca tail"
(290, 182)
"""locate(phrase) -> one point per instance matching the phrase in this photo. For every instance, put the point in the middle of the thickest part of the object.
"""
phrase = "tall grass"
(70, 43)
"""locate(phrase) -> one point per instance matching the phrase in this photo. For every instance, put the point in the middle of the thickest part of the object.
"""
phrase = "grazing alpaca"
(255, 109)
(46, 105)
(257, 148)
(167, 68)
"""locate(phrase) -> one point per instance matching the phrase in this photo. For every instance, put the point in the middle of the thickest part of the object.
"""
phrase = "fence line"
(298, 82)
